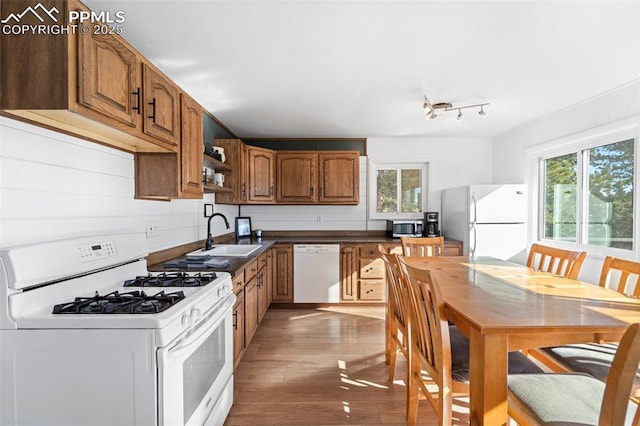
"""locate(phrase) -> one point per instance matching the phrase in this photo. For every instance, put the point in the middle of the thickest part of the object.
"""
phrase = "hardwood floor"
(322, 367)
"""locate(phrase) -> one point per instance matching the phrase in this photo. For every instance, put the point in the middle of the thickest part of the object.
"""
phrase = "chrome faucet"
(209, 242)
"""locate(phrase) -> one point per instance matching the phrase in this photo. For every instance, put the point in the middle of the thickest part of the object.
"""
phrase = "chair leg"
(393, 356)
(413, 392)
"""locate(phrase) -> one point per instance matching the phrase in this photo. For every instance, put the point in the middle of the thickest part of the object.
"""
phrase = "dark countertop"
(238, 263)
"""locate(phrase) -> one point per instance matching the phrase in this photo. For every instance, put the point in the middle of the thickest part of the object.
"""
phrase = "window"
(588, 195)
(398, 190)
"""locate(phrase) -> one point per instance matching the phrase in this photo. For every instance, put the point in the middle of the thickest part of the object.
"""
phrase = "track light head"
(430, 109)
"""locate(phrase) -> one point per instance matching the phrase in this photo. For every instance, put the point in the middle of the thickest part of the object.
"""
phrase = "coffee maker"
(431, 227)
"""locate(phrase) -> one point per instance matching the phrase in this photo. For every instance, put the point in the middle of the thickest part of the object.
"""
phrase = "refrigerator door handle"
(474, 203)
(472, 241)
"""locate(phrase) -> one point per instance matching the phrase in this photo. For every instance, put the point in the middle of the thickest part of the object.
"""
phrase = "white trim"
(613, 132)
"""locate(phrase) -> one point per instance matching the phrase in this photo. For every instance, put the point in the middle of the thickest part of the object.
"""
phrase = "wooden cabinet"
(161, 106)
(348, 272)
(89, 85)
(282, 273)
(238, 328)
(339, 177)
(252, 178)
(263, 286)
(317, 177)
(191, 145)
(296, 177)
(167, 175)
(109, 78)
(452, 248)
(236, 179)
(251, 319)
(261, 170)
(362, 270)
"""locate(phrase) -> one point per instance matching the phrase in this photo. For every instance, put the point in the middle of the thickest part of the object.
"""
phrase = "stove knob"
(195, 314)
(222, 291)
(187, 321)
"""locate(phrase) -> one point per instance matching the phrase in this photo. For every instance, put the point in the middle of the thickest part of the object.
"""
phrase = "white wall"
(55, 186)
(618, 104)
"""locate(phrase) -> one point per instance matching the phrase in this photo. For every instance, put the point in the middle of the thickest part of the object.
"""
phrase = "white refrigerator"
(490, 220)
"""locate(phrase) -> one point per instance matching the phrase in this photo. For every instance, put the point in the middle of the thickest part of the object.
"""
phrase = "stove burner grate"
(172, 279)
(133, 302)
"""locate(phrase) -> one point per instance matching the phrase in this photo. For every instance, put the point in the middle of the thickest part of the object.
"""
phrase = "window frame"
(373, 167)
(578, 143)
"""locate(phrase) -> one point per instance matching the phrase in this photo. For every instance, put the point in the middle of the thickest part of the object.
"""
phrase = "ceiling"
(361, 68)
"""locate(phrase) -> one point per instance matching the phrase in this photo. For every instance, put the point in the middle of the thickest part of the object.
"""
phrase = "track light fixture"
(430, 110)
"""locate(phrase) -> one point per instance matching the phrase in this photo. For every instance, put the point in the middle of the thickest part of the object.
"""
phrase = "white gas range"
(89, 337)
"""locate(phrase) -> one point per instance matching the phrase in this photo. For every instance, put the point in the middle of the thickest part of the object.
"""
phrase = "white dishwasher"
(316, 273)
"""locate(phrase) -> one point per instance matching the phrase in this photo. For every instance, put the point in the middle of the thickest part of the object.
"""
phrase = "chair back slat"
(394, 285)
(621, 378)
(422, 246)
(561, 262)
(628, 273)
(429, 329)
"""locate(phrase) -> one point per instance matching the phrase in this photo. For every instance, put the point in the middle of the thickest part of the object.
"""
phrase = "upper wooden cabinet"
(236, 179)
(297, 177)
(109, 78)
(339, 174)
(318, 177)
(265, 176)
(161, 105)
(94, 86)
(261, 169)
(191, 147)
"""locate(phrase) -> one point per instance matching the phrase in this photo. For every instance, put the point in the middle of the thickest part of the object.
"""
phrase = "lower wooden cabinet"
(238, 329)
(263, 286)
(362, 271)
(362, 280)
(282, 275)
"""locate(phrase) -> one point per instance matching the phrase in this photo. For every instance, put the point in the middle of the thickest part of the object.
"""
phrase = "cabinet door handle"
(311, 190)
(136, 93)
(153, 108)
(244, 188)
(271, 190)
(235, 320)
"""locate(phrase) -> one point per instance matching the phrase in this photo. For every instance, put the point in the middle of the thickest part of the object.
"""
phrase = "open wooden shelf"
(209, 188)
(217, 164)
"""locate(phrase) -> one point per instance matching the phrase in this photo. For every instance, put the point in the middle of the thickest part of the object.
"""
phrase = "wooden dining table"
(503, 306)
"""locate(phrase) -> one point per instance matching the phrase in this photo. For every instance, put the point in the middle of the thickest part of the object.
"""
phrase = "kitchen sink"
(226, 250)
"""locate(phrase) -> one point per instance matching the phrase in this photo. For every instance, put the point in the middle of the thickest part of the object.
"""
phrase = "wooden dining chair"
(596, 359)
(578, 399)
(396, 323)
(422, 246)
(561, 262)
(438, 349)
(625, 274)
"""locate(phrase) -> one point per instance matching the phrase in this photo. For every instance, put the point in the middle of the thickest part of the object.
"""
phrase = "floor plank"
(322, 367)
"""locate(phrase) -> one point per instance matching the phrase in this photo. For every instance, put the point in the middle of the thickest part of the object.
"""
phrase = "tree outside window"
(606, 203)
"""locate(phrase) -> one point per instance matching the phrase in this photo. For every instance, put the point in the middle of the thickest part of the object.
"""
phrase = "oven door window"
(201, 369)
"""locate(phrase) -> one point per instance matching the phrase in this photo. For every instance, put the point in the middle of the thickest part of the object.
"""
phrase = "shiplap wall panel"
(56, 186)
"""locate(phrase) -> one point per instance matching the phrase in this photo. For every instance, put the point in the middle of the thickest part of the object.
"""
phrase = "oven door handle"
(200, 333)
